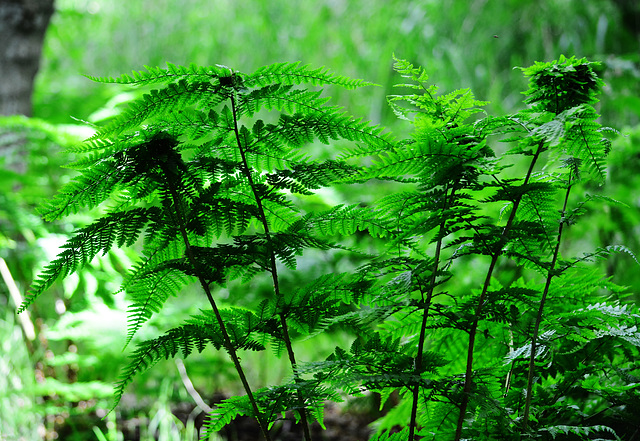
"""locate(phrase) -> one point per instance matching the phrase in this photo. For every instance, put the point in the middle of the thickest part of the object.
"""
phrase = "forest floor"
(343, 422)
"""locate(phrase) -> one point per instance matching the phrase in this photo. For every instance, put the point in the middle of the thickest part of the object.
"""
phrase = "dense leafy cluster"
(205, 180)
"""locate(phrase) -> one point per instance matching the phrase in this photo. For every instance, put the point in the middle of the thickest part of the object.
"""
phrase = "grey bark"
(23, 24)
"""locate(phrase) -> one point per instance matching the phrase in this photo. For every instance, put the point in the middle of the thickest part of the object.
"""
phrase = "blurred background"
(59, 361)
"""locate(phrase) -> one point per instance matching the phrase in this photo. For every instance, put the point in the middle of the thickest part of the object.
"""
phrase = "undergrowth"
(470, 311)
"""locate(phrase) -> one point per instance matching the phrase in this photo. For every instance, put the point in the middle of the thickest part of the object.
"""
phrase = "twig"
(14, 292)
(188, 385)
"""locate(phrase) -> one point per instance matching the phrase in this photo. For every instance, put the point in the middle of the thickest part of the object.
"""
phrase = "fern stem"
(274, 271)
(223, 330)
(536, 329)
(425, 315)
(473, 330)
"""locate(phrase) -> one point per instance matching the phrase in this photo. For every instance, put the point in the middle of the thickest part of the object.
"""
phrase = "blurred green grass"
(461, 43)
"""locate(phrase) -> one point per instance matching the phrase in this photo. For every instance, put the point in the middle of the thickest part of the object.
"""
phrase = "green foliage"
(467, 203)
(193, 172)
(19, 413)
(212, 187)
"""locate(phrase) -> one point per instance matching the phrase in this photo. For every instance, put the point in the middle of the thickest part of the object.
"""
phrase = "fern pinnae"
(149, 292)
(85, 191)
(181, 339)
(172, 73)
(160, 102)
(283, 98)
(295, 73)
(122, 229)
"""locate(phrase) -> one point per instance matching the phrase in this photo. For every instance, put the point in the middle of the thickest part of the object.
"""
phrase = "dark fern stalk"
(557, 89)
(543, 299)
(426, 303)
(444, 160)
(273, 267)
(580, 136)
(496, 253)
(446, 112)
(449, 212)
(228, 345)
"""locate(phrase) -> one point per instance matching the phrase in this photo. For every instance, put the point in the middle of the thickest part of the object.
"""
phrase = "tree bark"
(23, 24)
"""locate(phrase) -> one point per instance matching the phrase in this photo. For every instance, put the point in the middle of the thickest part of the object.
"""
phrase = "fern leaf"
(294, 73)
(122, 229)
(582, 431)
(574, 77)
(282, 98)
(225, 412)
(345, 221)
(182, 339)
(160, 102)
(88, 190)
(149, 293)
(193, 73)
(585, 141)
(298, 129)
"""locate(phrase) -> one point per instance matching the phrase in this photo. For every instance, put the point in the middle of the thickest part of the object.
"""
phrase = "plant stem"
(423, 327)
(473, 330)
(536, 329)
(228, 344)
(274, 271)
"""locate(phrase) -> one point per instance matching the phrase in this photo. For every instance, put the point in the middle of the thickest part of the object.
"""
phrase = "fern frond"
(193, 73)
(561, 84)
(149, 292)
(282, 98)
(415, 74)
(192, 124)
(320, 304)
(304, 176)
(448, 110)
(294, 73)
(346, 220)
(161, 102)
(88, 190)
(582, 431)
(183, 339)
(219, 216)
(602, 253)
(122, 229)
(584, 140)
(225, 412)
(274, 401)
(244, 327)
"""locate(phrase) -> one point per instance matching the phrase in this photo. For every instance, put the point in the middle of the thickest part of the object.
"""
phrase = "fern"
(449, 215)
(207, 194)
(171, 74)
(465, 306)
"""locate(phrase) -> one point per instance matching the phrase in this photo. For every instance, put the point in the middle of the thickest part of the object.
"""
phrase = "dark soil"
(342, 424)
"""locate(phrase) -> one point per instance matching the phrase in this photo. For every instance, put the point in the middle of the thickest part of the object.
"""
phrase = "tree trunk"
(22, 27)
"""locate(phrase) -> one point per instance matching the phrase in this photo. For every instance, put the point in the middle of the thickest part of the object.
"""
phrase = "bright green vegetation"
(60, 381)
(459, 298)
